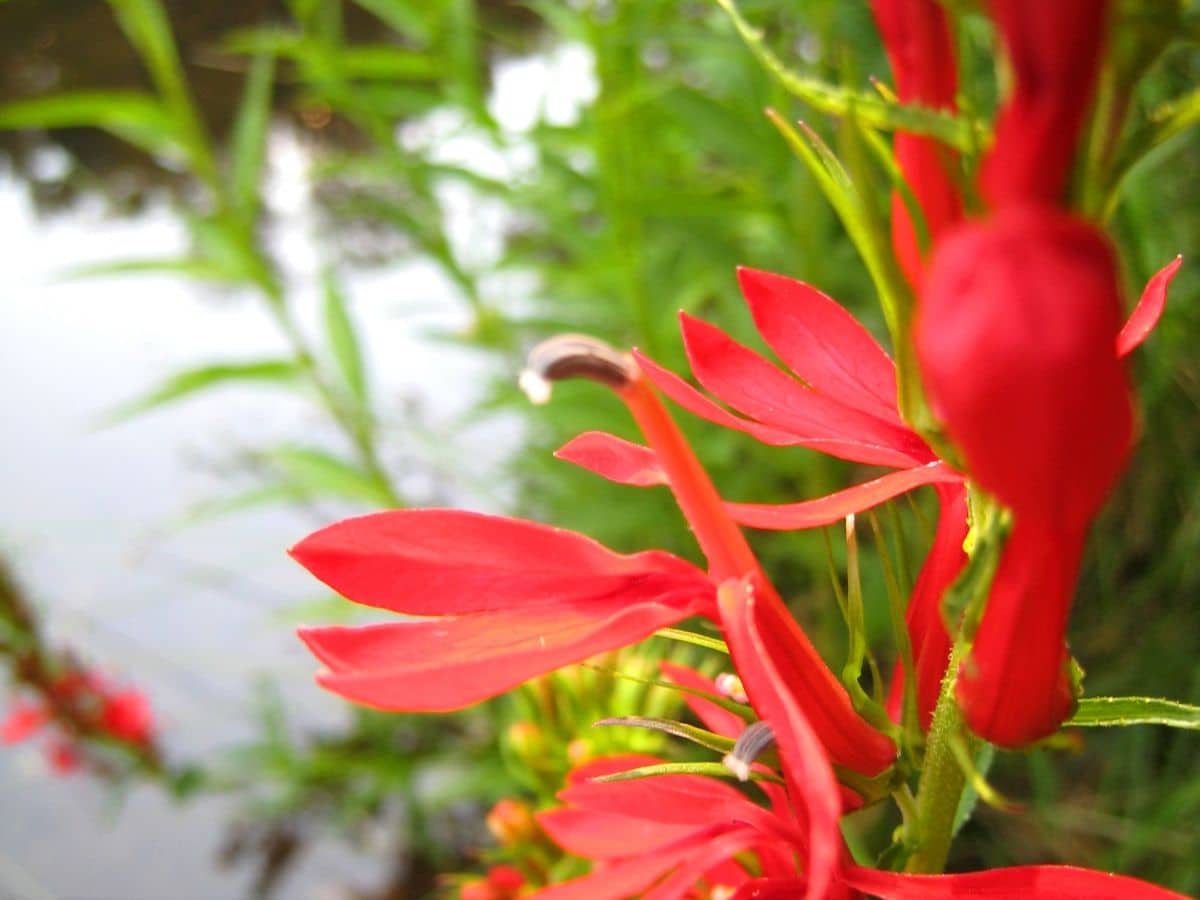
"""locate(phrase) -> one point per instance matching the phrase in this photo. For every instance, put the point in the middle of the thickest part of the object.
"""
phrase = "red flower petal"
(451, 662)
(754, 387)
(1015, 335)
(775, 659)
(23, 721)
(757, 638)
(822, 343)
(1149, 308)
(448, 562)
(917, 37)
(926, 628)
(1055, 50)
(126, 716)
(624, 878)
(1013, 687)
(602, 835)
(836, 506)
(1016, 883)
(717, 719)
(614, 458)
(712, 854)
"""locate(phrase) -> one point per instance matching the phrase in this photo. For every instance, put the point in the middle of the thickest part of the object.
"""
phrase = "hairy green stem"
(942, 781)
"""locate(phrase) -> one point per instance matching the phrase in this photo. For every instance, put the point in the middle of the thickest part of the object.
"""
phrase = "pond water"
(93, 515)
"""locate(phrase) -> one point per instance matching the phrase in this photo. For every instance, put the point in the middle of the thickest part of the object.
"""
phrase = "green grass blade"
(279, 372)
(136, 118)
(343, 342)
(249, 141)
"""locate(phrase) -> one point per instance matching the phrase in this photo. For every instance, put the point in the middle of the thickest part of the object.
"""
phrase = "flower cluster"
(1018, 337)
(77, 705)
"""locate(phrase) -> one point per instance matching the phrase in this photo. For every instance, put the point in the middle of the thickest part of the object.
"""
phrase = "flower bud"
(1015, 335)
(512, 822)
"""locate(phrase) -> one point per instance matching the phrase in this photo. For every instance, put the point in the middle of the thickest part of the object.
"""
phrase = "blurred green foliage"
(642, 205)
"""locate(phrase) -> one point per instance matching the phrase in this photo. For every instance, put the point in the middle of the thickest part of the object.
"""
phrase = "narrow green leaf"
(134, 117)
(401, 16)
(690, 637)
(738, 709)
(249, 141)
(343, 341)
(1106, 712)
(873, 109)
(283, 372)
(320, 473)
(188, 266)
(713, 770)
(147, 27)
(691, 733)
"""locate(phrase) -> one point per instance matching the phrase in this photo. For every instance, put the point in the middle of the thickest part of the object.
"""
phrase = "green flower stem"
(942, 781)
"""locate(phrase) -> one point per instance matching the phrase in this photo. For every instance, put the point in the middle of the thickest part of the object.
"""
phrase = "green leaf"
(134, 117)
(402, 16)
(283, 372)
(690, 637)
(713, 770)
(320, 473)
(871, 108)
(343, 341)
(691, 733)
(1106, 712)
(249, 142)
(147, 27)
(195, 267)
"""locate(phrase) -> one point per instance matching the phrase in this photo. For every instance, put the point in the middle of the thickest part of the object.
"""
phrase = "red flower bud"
(1015, 336)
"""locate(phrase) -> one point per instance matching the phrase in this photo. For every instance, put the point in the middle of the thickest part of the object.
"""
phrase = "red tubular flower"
(663, 837)
(1015, 336)
(916, 35)
(1055, 50)
(1018, 339)
(503, 600)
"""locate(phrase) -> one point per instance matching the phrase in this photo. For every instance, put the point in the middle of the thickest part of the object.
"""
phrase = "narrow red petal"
(604, 835)
(822, 343)
(920, 47)
(754, 387)
(717, 719)
(760, 630)
(835, 507)
(769, 674)
(926, 628)
(697, 404)
(447, 562)
(1013, 686)
(1149, 308)
(710, 855)
(1016, 883)
(23, 721)
(614, 458)
(623, 878)
(447, 663)
(693, 800)
(772, 889)
(1055, 50)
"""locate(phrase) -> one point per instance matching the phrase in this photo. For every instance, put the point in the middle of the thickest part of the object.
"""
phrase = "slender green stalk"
(942, 780)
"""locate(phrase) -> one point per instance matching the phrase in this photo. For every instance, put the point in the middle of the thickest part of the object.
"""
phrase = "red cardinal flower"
(840, 399)
(673, 835)
(1016, 335)
(93, 707)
